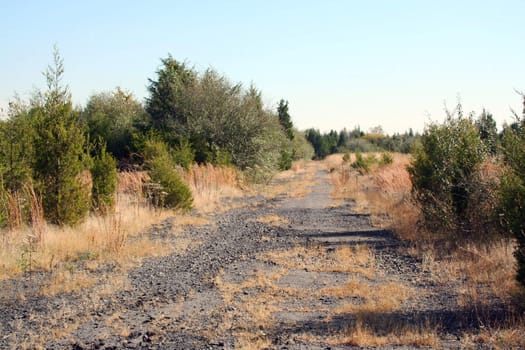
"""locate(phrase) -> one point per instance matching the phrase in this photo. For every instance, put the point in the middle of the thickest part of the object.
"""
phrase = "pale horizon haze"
(338, 63)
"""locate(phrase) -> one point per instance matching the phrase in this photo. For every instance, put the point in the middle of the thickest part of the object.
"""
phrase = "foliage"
(302, 149)
(58, 163)
(111, 116)
(386, 159)
(183, 154)
(363, 164)
(223, 122)
(285, 163)
(487, 131)
(513, 190)
(284, 119)
(174, 192)
(16, 148)
(443, 172)
(104, 179)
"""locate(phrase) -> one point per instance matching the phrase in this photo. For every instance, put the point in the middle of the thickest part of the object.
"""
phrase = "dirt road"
(300, 272)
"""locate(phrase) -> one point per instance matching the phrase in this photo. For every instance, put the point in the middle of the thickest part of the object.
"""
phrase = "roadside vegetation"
(80, 186)
(77, 183)
(457, 202)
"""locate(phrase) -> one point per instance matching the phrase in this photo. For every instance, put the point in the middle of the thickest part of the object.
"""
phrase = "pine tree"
(284, 119)
(60, 150)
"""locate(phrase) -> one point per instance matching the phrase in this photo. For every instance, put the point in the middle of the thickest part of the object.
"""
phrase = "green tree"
(167, 103)
(58, 163)
(284, 118)
(488, 131)
(513, 189)
(112, 116)
(104, 179)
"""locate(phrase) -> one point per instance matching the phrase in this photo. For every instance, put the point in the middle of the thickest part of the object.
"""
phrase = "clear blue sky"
(339, 63)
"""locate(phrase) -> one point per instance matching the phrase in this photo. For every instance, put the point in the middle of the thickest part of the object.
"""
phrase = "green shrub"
(513, 192)
(174, 193)
(104, 178)
(346, 157)
(443, 173)
(285, 163)
(386, 159)
(363, 164)
(183, 154)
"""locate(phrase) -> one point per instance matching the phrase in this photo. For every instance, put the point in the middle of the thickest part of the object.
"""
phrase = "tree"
(104, 179)
(285, 119)
(488, 131)
(111, 116)
(167, 103)
(58, 163)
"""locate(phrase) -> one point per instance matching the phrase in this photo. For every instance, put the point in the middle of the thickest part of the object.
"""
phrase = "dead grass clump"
(345, 259)
(209, 183)
(377, 298)
(68, 280)
(274, 220)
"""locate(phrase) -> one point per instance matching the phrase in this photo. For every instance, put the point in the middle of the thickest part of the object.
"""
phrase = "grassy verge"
(479, 275)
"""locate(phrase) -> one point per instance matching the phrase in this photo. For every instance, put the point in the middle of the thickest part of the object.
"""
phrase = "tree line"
(69, 156)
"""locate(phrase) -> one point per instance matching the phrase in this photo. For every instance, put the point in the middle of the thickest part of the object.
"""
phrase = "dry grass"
(294, 183)
(344, 259)
(274, 220)
(209, 184)
(117, 235)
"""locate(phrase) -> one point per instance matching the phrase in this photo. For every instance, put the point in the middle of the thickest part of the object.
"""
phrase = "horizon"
(341, 64)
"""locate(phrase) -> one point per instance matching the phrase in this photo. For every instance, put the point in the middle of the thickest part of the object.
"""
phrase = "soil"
(224, 291)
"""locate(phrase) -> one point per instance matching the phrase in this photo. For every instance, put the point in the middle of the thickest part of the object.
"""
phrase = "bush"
(443, 173)
(183, 154)
(104, 178)
(513, 192)
(362, 164)
(386, 159)
(285, 163)
(173, 192)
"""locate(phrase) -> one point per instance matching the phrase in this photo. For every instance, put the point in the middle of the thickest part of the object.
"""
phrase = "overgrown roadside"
(300, 271)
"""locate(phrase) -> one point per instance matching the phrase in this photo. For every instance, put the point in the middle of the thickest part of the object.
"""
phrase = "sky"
(339, 63)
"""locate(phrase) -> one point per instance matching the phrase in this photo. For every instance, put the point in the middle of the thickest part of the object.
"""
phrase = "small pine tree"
(104, 178)
(60, 145)
(284, 119)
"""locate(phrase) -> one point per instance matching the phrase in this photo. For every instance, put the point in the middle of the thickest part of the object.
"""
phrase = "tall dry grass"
(480, 273)
(105, 236)
(210, 184)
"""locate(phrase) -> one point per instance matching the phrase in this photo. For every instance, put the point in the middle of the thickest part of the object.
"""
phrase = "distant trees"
(357, 141)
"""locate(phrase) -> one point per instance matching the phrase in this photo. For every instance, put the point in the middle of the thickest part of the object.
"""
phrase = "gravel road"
(228, 291)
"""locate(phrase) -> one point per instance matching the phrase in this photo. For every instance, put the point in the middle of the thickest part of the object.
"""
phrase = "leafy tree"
(58, 163)
(223, 122)
(443, 172)
(112, 116)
